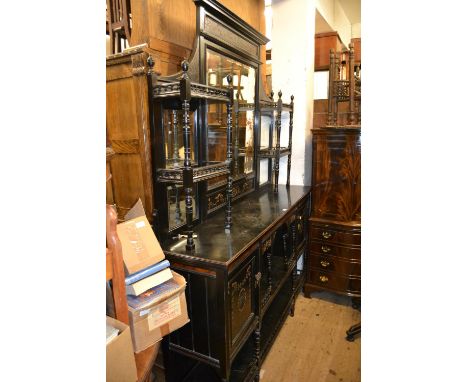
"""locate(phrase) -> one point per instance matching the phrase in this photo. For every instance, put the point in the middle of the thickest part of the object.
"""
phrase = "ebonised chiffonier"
(240, 286)
(334, 262)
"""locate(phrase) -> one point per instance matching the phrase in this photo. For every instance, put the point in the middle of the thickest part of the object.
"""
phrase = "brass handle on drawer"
(325, 249)
(326, 234)
(323, 279)
(324, 263)
(258, 276)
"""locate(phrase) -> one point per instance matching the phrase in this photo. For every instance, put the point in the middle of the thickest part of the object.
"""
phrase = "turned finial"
(280, 93)
(229, 79)
(150, 63)
(272, 93)
(292, 99)
(185, 66)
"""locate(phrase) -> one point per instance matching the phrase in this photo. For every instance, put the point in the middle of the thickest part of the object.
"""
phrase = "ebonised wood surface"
(253, 215)
(241, 285)
(334, 262)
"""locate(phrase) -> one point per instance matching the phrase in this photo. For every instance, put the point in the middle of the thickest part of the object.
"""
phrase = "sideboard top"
(252, 216)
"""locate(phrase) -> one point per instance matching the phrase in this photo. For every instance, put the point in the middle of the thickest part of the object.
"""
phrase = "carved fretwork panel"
(265, 269)
(337, 174)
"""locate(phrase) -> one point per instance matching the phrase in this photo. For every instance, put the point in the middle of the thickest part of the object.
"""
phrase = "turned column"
(331, 77)
(228, 218)
(291, 115)
(278, 138)
(352, 116)
(185, 96)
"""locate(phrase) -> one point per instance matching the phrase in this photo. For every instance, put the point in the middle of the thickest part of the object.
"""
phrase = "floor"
(311, 346)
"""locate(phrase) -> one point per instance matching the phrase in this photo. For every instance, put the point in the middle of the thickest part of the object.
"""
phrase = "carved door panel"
(242, 307)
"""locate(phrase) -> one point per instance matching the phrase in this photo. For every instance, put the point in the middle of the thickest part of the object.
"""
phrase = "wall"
(356, 30)
(334, 15)
(293, 70)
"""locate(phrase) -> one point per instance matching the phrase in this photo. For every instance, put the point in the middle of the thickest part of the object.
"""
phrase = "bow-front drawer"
(335, 282)
(321, 248)
(327, 234)
(336, 265)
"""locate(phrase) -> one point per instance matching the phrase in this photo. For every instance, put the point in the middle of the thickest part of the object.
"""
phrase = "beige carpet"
(311, 346)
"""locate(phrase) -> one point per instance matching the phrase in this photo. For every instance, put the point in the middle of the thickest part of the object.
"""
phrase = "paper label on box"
(165, 312)
(136, 241)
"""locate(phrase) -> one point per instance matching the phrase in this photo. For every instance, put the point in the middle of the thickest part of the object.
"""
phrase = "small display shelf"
(171, 95)
(270, 148)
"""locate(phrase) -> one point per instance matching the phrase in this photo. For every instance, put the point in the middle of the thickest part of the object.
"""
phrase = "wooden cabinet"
(240, 286)
(128, 131)
(334, 261)
(323, 43)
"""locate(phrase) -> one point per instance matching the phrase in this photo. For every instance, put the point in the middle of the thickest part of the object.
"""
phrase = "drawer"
(335, 282)
(330, 235)
(321, 248)
(335, 265)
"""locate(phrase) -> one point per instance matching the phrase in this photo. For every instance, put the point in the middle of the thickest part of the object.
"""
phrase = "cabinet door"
(242, 307)
(336, 174)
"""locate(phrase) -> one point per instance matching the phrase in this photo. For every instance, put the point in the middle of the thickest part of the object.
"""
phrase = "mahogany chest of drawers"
(334, 261)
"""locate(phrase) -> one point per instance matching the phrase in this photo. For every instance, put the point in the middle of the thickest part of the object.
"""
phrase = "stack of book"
(148, 278)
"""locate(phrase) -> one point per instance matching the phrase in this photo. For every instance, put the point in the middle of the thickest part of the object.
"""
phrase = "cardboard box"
(140, 248)
(120, 360)
(159, 317)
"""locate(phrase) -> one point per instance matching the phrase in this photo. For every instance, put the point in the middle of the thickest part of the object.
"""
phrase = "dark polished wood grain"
(335, 282)
(318, 247)
(334, 262)
(336, 174)
(328, 235)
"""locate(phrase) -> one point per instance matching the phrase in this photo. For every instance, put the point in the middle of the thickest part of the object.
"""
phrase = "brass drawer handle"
(326, 234)
(325, 249)
(323, 279)
(324, 263)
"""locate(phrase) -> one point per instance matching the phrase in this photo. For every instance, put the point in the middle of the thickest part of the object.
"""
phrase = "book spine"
(140, 275)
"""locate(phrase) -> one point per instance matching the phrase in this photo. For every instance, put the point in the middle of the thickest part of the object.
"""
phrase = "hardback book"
(149, 282)
(151, 270)
(151, 295)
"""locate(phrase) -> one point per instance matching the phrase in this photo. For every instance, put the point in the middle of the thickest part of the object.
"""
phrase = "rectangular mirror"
(263, 176)
(174, 138)
(244, 76)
